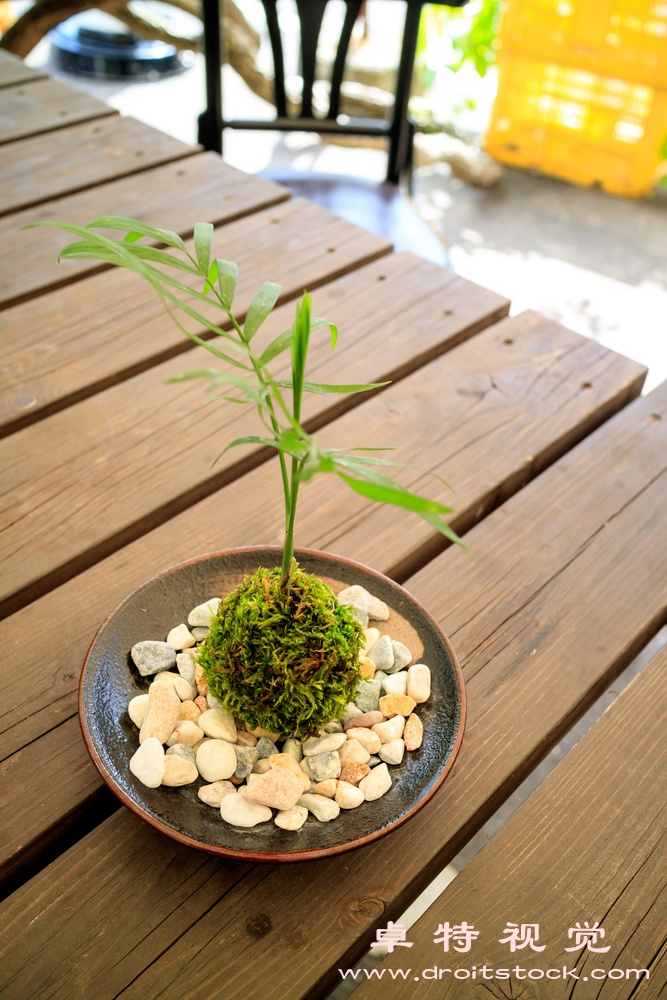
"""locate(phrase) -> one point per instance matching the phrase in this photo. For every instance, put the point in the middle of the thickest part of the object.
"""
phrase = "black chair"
(379, 208)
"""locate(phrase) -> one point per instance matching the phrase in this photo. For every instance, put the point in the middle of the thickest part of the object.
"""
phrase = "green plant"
(282, 653)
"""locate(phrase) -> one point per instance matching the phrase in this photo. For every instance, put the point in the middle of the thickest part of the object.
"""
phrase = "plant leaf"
(203, 239)
(138, 250)
(331, 390)
(134, 226)
(284, 339)
(260, 307)
(228, 272)
(396, 496)
(131, 237)
(211, 278)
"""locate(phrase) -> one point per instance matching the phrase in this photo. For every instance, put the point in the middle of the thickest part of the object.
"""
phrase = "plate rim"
(310, 854)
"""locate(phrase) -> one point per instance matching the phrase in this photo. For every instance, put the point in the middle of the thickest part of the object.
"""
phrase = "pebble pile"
(247, 774)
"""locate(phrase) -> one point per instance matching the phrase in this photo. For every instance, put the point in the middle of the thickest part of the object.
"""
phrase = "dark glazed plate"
(109, 680)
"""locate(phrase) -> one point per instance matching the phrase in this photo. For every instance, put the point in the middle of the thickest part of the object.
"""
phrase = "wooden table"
(558, 467)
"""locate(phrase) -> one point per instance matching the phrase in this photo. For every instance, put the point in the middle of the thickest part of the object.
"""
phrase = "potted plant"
(283, 653)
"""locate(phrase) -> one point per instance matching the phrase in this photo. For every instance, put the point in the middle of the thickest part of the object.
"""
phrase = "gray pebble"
(266, 747)
(367, 695)
(200, 632)
(186, 752)
(293, 748)
(322, 766)
(382, 654)
(351, 712)
(150, 657)
(246, 758)
(402, 655)
(379, 675)
(186, 667)
(373, 760)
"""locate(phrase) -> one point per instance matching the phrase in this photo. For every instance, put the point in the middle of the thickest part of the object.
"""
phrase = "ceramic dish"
(109, 679)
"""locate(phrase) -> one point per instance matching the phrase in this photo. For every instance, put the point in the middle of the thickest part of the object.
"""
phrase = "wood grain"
(14, 70)
(201, 188)
(82, 338)
(526, 621)
(158, 444)
(45, 105)
(588, 845)
(540, 412)
(45, 166)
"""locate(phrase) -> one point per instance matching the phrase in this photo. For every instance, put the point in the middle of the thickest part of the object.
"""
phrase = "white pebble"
(137, 708)
(181, 637)
(178, 771)
(186, 732)
(361, 598)
(203, 614)
(392, 752)
(219, 724)
(348, 796)
(376, 783)
(385, 731)
(397, 722)
(164, 708)
(238, 811)
(322, 808)
(213, 794)
(147, 764)
(293, 748)
(324, 744)
(382, 654)
(216, 760)
(396, 683)
(371, 637)
(212, 701)
(292, 819)
(419, 683)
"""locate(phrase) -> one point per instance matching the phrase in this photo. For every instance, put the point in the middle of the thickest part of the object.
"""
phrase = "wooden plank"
(45, 105)
(525, 608)
(202, 188)
(13, 70)
(81, 338)
(542, 413)
(588, 845)
(70, 159)
(132, 427)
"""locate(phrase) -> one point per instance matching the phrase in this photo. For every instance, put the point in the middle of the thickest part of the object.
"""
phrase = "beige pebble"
(235, 809)
(244, 739)
(385, 730)
(326, 787)
(396, 683)
(137, 708)
(419, 683)
(204, 614)
(258, 732)
(333, 727)
(397, 722)
(185, 732)
(279, 788)
(181, 637)
(201, 703)
(216, 760)
(365, 720)
(320, 806)
(352, 752)
(291, 819)
(414, 732)
(323, 744)
(293, 748)
(369, 740)
(148, 763)
(189, 711)
(392, 752)
(164, 707)
(204, 739)
(353, 773)
(201, 680)
(214, 793)
(348, 796)
(376, 783)
(396, 704)
(367, 668)
(219, 724)
(285, 760)
(178, 771)
(262, 766)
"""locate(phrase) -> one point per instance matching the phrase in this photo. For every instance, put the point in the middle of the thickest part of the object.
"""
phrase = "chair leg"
(210, 121)
(400, 130)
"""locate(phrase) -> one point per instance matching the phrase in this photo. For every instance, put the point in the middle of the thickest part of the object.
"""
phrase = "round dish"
(109, 679)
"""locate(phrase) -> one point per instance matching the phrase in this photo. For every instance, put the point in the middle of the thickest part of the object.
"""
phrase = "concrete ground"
(594, 262)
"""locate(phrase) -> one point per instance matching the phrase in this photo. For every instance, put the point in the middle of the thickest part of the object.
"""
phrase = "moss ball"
(284, 660)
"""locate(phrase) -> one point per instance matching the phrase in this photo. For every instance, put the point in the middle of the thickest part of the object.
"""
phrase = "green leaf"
(218, 378)
(396, 496)
(131, 237)
(284, 339)
(260, 307)
(211, 278)
(133, 226)
(331, 390)
(228, 272)
(203, 239)
(139, 250)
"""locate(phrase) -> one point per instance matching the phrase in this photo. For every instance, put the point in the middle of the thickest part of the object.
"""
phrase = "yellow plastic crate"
(582, 126)
(618, 38)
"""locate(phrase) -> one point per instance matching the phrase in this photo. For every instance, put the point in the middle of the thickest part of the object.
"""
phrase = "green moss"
(284, 660)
